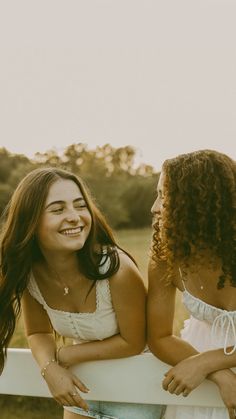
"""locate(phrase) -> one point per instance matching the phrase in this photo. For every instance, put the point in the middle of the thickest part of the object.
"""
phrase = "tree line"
(123, 191)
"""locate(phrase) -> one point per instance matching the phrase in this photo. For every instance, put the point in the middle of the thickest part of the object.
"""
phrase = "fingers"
(232, 413)
(72, 399)
(168, 372)
(78, 401)
(171, 385)
(68, 400)
(167, 380)
(81, 386)
(181, 389)
(186, 392)
(174, 387)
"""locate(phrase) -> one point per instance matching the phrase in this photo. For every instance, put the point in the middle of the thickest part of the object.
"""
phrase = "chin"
(76, 246)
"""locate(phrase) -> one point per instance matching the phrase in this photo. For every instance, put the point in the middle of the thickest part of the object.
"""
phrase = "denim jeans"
(111, 410)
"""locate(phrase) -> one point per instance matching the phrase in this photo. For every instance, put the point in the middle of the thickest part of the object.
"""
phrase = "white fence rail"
(135, 379)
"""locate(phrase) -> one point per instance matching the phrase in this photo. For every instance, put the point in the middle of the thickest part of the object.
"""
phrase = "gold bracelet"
(43, 370)
(57, 354)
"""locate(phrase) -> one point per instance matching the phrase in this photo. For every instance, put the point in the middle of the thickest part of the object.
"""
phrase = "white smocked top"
(82, 327)
(223, 322)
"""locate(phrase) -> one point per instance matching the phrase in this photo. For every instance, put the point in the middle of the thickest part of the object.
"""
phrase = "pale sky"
(157, 75)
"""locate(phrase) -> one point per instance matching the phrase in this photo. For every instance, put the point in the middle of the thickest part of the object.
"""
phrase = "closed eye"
(58, 207)
(57, 210)
(80, 204)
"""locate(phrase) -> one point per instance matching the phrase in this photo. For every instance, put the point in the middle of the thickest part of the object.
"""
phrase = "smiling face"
(66, 221)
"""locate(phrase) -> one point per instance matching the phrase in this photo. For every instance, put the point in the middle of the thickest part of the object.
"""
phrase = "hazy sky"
(157, 75)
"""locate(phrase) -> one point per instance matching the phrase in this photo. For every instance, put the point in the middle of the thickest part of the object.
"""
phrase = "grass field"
(137, 242)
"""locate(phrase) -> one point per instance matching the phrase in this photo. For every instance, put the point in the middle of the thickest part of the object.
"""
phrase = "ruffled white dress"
(207, 328)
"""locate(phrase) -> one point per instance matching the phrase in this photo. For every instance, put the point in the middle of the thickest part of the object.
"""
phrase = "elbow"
(153, 347)
(157, 347)
(137, 348)
(35, 337)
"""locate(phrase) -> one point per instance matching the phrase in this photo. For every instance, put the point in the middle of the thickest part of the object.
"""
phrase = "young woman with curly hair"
(60, 261)
(194, 251)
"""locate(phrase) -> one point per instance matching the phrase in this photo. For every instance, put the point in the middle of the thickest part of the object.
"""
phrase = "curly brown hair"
(199, 212)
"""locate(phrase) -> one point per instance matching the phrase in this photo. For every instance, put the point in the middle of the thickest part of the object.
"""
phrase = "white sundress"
(87, 327)
(207, 328)
(82, 327)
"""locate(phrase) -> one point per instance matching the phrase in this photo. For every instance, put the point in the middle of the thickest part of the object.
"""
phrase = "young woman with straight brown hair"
(59, 259)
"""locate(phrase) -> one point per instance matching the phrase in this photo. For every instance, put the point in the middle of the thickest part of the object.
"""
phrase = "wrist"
(203, 363)
(218, 377)
(61, 356)
(46, 367)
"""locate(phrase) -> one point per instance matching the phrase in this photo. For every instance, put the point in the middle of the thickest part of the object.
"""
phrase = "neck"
(61, 263)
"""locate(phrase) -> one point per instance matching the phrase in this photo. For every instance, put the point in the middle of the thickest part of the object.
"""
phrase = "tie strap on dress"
(224, 322)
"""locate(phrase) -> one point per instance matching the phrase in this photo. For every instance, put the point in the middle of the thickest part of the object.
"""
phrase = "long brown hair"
(199, 212)
(19, 248)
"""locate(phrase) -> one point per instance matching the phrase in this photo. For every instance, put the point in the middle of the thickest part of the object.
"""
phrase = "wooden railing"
(135, 379)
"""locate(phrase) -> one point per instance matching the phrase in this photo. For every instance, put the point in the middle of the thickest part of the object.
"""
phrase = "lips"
(71, 231)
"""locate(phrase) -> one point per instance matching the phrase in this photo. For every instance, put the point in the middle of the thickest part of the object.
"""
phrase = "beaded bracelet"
(43, 370)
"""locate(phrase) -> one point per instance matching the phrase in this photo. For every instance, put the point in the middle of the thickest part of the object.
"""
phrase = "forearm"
(110, 348)
(43, 347)
(219, 377)
(172, 349)
(61, 382)
(215, 360)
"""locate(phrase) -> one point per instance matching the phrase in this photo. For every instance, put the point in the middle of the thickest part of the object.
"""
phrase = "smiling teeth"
(72, 231)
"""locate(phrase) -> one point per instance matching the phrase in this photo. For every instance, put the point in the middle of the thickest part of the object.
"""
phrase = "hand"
(64, 386)
(226, 382)
(185, 376)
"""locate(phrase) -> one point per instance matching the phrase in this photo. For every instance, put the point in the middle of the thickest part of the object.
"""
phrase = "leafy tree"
(13, 167)
(138, 199)
(123, 192)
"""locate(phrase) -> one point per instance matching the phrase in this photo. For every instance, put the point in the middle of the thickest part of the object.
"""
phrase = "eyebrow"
(63, 202)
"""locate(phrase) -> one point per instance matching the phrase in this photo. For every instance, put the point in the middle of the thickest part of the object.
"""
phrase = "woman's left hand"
(185, 376)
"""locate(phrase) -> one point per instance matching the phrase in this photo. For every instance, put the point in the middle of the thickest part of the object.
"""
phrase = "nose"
(154, 208)
(72, 216)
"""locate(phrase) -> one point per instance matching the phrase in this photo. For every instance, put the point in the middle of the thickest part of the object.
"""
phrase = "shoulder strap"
(104, 264)
(103, 294)
(35, 291)
(181, 276)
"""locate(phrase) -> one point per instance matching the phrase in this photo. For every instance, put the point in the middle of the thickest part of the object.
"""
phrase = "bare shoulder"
(128, 276)
(157, 277)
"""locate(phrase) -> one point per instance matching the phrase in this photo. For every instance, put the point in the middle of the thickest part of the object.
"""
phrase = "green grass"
(137, 242)
(18, 407)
